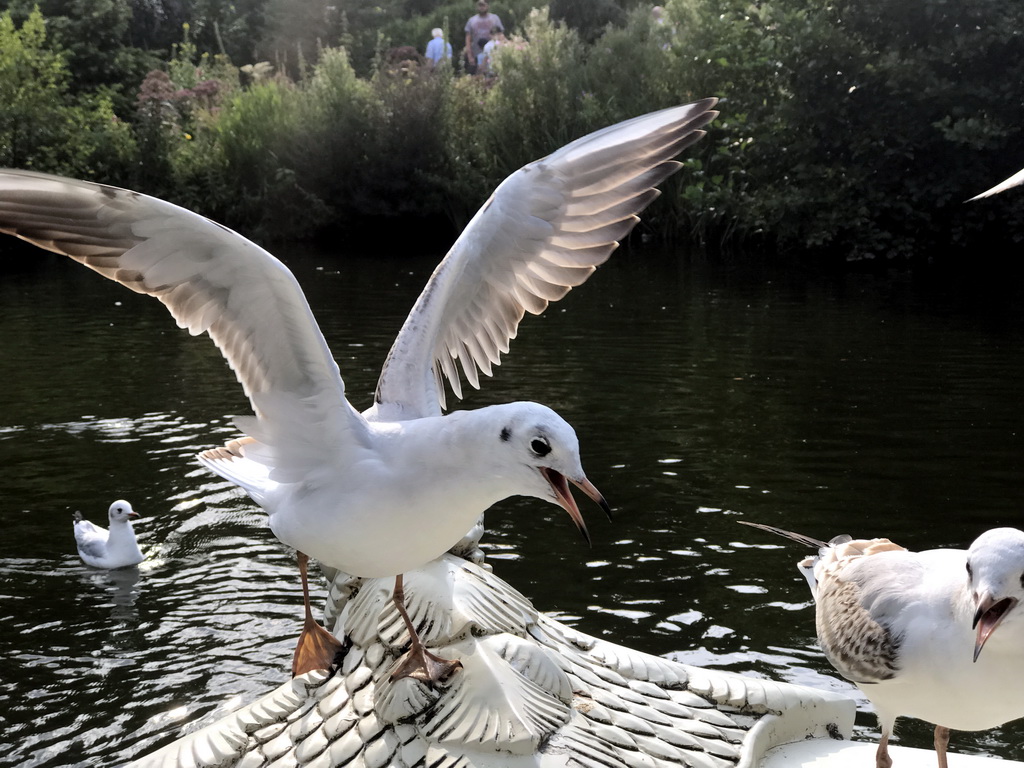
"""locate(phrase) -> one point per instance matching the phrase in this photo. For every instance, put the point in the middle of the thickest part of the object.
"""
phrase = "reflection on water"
(119, 585)
(861, 404)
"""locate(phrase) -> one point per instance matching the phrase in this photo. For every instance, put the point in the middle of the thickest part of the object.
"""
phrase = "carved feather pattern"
(544, 696)
(444, 604)
(495, 701)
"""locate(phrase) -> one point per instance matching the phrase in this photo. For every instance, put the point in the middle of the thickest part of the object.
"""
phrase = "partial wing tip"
(1014, 181)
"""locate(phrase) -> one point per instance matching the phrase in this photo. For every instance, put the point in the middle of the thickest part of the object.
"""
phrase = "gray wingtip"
(797, 537)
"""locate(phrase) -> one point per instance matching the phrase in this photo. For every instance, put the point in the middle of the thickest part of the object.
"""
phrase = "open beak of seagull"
(560, 486)
(988, 616)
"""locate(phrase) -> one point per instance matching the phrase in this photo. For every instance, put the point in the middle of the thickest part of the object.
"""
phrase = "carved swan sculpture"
(532, 692)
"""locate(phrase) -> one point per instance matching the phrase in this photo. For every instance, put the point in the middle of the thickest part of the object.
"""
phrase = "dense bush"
(95, 38)
(42, 125)
(860, 127)
(852, 129)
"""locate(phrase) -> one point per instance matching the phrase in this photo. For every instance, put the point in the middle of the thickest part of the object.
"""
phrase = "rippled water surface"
(702, 394)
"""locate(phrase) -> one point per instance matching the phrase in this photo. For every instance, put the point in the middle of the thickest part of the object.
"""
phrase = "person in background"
(478, 33)
(438, 48)
(486, 60)
(663, 31)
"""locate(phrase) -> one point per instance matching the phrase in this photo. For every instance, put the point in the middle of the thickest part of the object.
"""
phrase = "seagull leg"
(882, 759)
(418, 662)
(317, 647)
(941, 742)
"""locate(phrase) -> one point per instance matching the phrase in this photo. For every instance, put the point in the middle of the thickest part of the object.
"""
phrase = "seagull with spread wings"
(384, 491)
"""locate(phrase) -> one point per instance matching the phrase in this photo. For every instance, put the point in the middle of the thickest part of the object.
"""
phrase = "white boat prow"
(531, 693)
(826, 753)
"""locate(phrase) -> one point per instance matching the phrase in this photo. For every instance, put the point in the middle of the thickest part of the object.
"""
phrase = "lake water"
(874, 404)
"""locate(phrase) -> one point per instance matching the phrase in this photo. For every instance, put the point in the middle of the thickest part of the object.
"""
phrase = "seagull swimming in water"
(379, 493)
(116, 548)
(916, 631)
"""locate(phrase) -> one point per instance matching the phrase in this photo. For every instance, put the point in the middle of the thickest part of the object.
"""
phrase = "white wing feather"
(91, 540)
(1013, 181)
(544, 231)
(212, 280)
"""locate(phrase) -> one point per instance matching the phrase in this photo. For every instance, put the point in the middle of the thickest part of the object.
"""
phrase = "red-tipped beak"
(988, 616)
(560, 485)
(132, 515)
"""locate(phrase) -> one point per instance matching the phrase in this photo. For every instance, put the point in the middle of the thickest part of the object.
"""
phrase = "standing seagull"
(909, 628)
(386, 491)
(114, 549)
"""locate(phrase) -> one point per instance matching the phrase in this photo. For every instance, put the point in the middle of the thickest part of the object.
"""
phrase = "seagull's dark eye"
(540, 446)
(970, 573)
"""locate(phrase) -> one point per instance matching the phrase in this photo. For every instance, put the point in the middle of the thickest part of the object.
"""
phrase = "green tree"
(93, 35)
(231, 28)
(366, 29)
(855, 128)
(590, 18)
(41, 125)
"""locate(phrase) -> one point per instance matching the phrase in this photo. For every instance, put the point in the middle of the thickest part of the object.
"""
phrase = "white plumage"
(917, 631)
(387, 490)
(1015, 180)
(113, 548)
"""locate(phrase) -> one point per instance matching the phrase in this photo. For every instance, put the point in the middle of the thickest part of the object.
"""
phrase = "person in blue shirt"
(438, 48)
